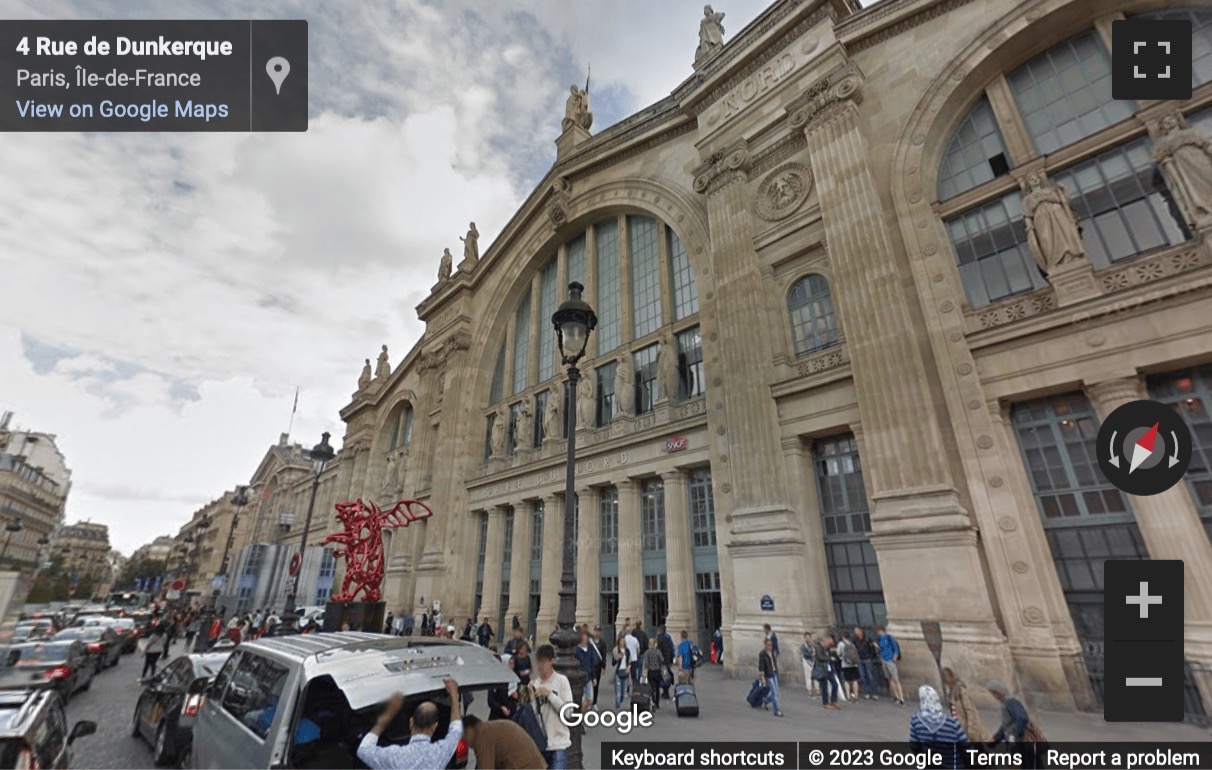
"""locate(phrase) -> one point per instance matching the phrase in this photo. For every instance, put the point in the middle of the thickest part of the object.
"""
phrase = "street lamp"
(321, 455)
(13, 526)
(574, 320)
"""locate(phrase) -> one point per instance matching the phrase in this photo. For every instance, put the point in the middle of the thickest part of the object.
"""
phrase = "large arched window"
(1059, 100)
(638, 278)
(813, 322)
(400, 427)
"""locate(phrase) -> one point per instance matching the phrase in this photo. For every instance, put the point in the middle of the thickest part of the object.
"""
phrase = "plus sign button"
(1151, 59)
(1143, 605)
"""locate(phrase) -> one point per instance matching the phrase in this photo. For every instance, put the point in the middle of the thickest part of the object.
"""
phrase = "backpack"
(850, 656)
(696, 655)
(527, 717)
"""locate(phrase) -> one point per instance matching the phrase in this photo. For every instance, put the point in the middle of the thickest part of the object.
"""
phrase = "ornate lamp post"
(12, 527)
(574, 320)
(321, 455)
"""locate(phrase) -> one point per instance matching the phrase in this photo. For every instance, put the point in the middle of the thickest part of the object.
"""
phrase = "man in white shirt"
(551, 691)
(421, 751)
(633, 650)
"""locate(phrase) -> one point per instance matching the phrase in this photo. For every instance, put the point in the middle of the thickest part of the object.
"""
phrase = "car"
(128, 634)
(31, 630)
(33, 730)
(169, 703)
(338, 683)
(103, 645)
(60, 665)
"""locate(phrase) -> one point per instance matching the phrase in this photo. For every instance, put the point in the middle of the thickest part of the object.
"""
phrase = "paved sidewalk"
(725, 716)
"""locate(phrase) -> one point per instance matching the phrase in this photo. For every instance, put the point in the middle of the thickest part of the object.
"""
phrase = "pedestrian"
(890, 653)
(387, 624)
(685, 656)
(516, 624)
(634, 650)
(421, 751)
(622, 660)
(719, 644)
(216, 628)
(932, 730)
(273, 622)
(653, 665)
(835, 667)
(868, 656)
(588, 658)
(1017, 726)
(808, 660)
(641, 636)
(848, 653)
(963, 708)
(822, 673)
(599, 645)
(484, 633)
(501, 744)
(425, 624)
(257, 619)
(773, 637)
(519, 636)
(551, 692)
(668, 653)
(409, 625)
(191, 631)
(501, 703)
(157, 645)
(521, 664)
(768, 673)
(170, 631)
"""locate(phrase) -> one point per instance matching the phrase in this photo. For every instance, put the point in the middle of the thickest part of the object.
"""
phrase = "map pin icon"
(277, 68)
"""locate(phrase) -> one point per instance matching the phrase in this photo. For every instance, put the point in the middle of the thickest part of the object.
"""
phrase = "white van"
(326, 690)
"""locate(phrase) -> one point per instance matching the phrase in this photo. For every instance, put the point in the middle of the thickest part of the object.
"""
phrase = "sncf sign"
(676, 443)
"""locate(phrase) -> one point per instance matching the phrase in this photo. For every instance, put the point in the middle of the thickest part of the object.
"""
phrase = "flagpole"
(293, 409)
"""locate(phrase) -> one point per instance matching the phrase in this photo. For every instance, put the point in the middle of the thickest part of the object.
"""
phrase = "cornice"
(889, 19)
(722, 168)
(822, 98)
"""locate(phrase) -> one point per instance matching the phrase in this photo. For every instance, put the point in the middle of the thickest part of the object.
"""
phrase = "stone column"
(761, 545)
(921, 532)
(818, 594)
(519, 565)
(1170, 526)
(553, 552)
(631, 559)
(679, 560)
(494, 556)
(589, 564)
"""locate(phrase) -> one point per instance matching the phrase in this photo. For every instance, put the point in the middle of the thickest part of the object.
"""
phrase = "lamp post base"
(565, 639)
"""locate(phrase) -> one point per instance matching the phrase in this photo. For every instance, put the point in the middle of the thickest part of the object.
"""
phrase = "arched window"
(813, 323)
(401, 428)
(976, 153)
(497, 391)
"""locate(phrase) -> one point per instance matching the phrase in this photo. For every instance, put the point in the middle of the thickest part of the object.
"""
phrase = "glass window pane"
(685, 296)
(991, 248)
(521, 346)
(547, 306)
(645, 276)
(969, 158)
(609, 331)
(813, 322)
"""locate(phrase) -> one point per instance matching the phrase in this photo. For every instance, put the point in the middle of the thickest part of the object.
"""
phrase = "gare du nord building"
(836, 378)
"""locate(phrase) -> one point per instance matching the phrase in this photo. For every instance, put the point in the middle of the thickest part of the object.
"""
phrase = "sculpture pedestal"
(1074, 283)
(360, 616)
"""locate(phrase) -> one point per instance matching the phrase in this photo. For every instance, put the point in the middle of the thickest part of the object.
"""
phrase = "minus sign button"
(1143, 681)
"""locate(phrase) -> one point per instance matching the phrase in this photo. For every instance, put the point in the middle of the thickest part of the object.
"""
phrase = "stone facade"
(86, 554)
(864, 418)
(34, 484)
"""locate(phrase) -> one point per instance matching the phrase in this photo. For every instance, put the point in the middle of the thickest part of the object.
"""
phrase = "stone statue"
(585, 401)
(576, 110)
(471, 244)
(711, 34)
(553, 416)
(389, 477)
(1186, 156)
(445, 267)
(525, 426)
(624, 388)
(1051, 225)
(383, 370)
(500, 422)
(364, 380)
(667, 371)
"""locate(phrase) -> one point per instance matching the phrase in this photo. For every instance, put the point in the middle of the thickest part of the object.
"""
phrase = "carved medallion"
(1033, 616)
(1020, 567)
(783, 191)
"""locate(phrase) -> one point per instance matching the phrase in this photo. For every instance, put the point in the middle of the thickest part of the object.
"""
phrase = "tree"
(51, 584)
(133, 570)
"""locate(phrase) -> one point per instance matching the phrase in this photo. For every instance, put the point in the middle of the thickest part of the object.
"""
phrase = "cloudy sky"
(164, 294)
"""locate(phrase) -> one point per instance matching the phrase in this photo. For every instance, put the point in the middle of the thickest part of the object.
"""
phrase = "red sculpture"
(363, 541)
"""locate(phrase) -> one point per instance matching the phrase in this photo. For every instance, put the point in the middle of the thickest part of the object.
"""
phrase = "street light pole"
(574, 320)
(321, 454)
(13, 526)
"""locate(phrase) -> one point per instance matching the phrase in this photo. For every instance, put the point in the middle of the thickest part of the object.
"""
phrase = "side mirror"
(80, 729)
(198, 686)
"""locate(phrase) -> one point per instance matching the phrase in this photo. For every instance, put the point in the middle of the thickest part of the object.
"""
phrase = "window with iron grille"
(854, 573)
(813, 322)
(645, 276)
(645, 379)
(547, 306)
(605, 392)
(976, 154)
(702, 509)
(692, 381)
(609, 329)
(521, 346)
(536, 532)
(1189, 393)
(685, 296)
(652, 514)
(608, 518)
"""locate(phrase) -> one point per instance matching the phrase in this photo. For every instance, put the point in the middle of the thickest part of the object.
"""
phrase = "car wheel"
(162, 753)
(90, 684)
(135, 732)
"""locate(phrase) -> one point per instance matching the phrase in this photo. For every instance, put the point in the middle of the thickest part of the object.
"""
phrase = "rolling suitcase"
(758, 694)
(685, 699)
(640, 697)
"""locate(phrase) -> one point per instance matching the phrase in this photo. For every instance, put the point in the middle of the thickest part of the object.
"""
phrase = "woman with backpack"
(848, 653)
(621, 658)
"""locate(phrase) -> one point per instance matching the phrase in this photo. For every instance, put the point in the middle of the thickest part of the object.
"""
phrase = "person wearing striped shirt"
(932, 729)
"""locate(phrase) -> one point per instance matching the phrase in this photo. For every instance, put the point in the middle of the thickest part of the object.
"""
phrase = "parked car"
(62, 666)
(104, 647)
(26, 631)
(33, 730)
(128, 634)
(254, 711)
(168, 706)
